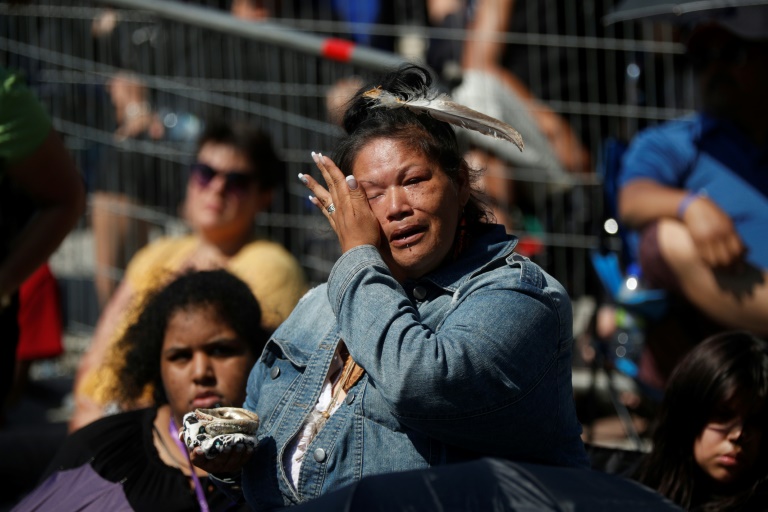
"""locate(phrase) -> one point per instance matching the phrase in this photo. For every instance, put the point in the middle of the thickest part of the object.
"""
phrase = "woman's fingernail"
(303, 178)
(352, 182)
(312, 199)
(314, 156)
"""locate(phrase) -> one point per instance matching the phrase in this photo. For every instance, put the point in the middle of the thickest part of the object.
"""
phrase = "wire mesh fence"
(100, 69)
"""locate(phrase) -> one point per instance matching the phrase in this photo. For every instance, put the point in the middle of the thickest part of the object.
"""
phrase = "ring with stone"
(330, 208)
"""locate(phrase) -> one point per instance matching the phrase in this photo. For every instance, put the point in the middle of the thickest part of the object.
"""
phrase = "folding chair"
(641, 305)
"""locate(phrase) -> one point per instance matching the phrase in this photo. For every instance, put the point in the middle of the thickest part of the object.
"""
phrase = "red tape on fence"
(338, 49)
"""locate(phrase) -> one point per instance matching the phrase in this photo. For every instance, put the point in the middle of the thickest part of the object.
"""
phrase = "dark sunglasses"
(234, 182)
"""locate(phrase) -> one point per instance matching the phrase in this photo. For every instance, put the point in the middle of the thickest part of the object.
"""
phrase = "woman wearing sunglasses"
(230, 182)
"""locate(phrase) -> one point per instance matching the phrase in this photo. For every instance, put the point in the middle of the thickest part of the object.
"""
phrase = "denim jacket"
(473, 359)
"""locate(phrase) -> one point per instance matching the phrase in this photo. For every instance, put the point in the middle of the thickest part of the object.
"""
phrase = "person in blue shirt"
(432, 342)
(697, 188)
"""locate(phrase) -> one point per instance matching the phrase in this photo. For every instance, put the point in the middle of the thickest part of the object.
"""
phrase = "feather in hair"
(444, 109)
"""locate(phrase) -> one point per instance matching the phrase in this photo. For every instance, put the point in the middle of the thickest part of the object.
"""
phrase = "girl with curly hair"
(191, 347)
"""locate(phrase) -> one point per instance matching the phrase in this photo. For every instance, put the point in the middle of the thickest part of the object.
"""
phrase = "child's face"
(728, 447)
(203, 362)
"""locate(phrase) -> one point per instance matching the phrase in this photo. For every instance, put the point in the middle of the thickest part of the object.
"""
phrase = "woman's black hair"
(363, 122)
(723, 368)
(254, 143)
(231, 300)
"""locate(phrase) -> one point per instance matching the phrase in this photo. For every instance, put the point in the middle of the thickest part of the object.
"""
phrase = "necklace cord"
(174, 431)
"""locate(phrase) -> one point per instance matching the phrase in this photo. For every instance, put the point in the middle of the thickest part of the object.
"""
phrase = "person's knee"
(675, 243)
(665, 247)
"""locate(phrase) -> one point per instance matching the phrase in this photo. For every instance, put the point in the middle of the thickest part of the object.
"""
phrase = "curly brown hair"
(142, 343)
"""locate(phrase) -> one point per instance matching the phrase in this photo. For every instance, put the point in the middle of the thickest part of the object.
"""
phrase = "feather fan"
(444, 109)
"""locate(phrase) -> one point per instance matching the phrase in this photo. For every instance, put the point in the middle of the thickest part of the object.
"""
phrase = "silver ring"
(330, 208)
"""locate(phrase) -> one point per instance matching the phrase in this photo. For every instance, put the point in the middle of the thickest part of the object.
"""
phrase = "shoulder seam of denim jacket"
(450, 279)
(529, 269)
(530, 273)
(496, 263)
(556, 307)
(468, 285)
(452, 284)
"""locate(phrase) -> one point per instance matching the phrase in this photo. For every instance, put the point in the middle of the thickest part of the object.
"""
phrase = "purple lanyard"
(198, 486)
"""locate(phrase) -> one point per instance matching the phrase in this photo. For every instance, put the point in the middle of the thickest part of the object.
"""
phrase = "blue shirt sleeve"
(662, 154)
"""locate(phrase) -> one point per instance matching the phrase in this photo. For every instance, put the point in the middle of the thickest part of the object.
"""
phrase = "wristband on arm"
(686, 202)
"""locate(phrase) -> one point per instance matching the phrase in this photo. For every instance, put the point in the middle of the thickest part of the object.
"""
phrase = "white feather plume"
(444, 109)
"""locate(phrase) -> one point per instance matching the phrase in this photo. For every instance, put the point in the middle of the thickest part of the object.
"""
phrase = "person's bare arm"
(483, 50)
(50, 179)
(134, 114)
(644, 201)
(483, 46)
(737, 298)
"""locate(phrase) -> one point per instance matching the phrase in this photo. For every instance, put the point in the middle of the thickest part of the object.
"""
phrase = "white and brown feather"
(442, 108)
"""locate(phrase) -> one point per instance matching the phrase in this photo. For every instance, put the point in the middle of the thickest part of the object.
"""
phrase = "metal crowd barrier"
(195, 61)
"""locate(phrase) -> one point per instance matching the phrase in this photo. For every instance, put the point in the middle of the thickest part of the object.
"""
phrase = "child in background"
(708, 448)
(192, 346)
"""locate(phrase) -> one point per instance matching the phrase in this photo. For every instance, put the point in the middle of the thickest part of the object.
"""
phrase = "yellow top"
(272, 273)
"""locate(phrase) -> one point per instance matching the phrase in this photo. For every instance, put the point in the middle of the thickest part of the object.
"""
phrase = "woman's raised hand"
(344, 204)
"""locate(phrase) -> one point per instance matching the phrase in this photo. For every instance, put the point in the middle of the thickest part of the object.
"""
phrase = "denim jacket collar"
(486, 250)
